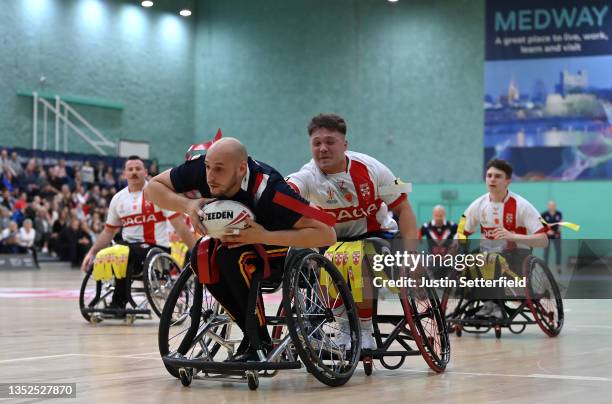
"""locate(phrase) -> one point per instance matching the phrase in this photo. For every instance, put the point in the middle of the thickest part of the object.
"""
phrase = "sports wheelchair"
(539, 302)
(148, 289)
(195, 335)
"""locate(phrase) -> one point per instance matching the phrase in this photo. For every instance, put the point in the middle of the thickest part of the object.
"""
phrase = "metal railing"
(65, 117)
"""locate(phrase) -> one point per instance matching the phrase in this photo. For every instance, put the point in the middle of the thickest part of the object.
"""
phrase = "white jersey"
(140, 221)
(354, 196)
(514, 213)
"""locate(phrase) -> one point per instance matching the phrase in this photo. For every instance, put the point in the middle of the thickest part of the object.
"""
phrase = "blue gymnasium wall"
(407, 76)
(107, 50)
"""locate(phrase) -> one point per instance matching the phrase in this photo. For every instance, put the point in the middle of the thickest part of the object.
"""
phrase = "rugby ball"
(221, 216)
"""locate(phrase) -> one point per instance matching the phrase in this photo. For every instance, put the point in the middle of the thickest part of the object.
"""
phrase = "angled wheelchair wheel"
(544, 298)
(312, 288)
(160, 272)
(189, 317)
(94, 294)
(426, 321)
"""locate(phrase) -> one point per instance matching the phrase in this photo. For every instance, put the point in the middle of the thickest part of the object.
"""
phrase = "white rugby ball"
(221, 216)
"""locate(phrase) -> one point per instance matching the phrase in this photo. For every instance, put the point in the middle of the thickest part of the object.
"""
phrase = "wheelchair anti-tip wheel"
(312, 288)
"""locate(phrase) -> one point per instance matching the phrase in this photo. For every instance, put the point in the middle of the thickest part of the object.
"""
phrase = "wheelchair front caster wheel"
(186, 376)
(130, 318)
(95, 319)
(497, 332)
(367, 365)
(252, 380)
(458, 330)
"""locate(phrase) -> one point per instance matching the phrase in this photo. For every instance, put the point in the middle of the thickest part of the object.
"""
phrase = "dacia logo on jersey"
(226, 214)
(138, 220)
(352, 213)
(509, 218)
(488, 233)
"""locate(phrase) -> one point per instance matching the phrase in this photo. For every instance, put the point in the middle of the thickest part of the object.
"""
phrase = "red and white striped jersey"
(356, 197)
(140, 221)
(514, 213)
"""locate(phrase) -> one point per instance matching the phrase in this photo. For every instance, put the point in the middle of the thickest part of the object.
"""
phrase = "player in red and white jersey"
(506, 221)
(143, 225)
(358, 190)
(358, 196)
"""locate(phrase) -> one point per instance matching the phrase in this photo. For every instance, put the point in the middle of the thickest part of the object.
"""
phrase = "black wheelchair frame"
(542, 305)
(159, 271)
(205, 330)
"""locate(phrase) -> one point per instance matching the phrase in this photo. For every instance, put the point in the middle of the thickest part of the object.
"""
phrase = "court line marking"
(529, 376)
(31, 358)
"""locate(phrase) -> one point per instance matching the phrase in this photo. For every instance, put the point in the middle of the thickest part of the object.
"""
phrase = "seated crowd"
(58, 209)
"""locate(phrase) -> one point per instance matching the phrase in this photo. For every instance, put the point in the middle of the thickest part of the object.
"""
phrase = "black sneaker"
(251, 354)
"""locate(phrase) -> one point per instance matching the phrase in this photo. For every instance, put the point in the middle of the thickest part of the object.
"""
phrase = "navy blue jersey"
(556, 218)
(258, 190)
(439, 238)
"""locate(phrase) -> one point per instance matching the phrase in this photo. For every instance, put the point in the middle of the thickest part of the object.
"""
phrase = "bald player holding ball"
(229, 264)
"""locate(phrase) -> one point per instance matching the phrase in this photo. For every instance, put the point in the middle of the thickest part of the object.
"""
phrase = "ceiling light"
(147, 3)
(185, 12)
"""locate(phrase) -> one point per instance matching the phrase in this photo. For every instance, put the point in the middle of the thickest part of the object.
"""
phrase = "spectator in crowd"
(61, 170)
(5, 217)
(56, 228)
(7, 199)
(26, 238)
(55, 181)
(109, 178)
(4, 159)
(29, 178)
(8, 180)
(8, 238)
(15, 165)
(551, 216)
(73, 243)
(42, 225)
(87, 174)
(99, 172)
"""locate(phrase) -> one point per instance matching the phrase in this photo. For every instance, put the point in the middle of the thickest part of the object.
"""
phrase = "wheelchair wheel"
(160, 271)
(94, 294)
(188, 310)
(544, 298)
(312, 287)
(428, 325)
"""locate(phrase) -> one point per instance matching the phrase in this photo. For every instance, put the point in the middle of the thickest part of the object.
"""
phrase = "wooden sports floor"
(43, 338)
